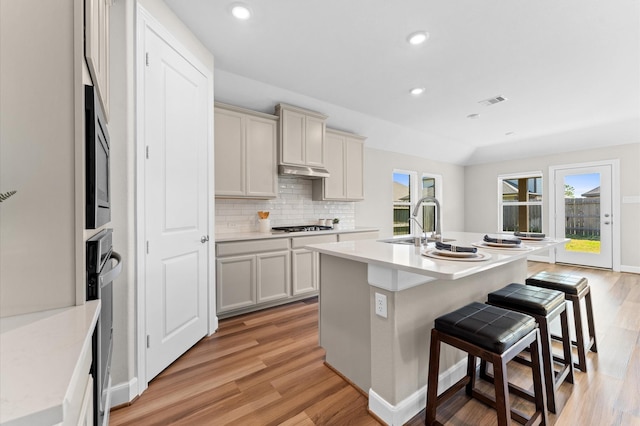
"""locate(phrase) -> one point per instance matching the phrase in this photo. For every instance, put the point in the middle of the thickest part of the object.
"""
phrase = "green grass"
(583, 246)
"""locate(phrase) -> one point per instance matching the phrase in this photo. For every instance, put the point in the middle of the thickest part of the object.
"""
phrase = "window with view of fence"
(582, 218)
(520, 203)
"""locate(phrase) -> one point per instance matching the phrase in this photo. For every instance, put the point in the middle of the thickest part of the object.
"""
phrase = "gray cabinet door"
(272, 271)
(236, 282)
(304, 271)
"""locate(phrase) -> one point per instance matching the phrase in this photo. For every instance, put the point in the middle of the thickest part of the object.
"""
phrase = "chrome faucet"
(414, 215)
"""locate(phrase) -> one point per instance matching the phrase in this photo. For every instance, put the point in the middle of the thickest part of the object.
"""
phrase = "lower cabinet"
(305, 268)
(355, 236)
(304, 271)
(272, 276)
(79, 407)
(236, 282)
(251, 272)
(255, 274)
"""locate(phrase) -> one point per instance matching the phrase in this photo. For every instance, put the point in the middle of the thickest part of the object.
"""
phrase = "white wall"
(480, 189)
(38, 83)
(377, 211)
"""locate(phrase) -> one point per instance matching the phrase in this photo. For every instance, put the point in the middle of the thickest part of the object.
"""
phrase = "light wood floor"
(266, 368)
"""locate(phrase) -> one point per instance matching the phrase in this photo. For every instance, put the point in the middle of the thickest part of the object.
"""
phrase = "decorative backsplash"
(294, 206)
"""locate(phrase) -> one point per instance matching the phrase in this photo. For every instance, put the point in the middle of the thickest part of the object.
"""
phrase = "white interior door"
(583, 212)
(176, 203)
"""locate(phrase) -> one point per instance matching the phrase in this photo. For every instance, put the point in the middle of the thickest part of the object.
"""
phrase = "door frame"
(143, 21)
(615, 205)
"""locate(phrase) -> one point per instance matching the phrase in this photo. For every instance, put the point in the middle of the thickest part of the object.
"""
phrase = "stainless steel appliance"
(301, 228)
(98, 191)
(100, 275)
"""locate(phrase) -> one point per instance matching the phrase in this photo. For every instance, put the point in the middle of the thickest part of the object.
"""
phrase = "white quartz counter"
(242, 236)
(409, 258)
(40, 362)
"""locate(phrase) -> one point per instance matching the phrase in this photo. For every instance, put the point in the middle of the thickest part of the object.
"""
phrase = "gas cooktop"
(301, 228)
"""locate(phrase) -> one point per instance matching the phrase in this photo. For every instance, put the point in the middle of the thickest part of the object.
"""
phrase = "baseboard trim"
(399, 414)
(544, 259)
(630, 269)
(124, 393)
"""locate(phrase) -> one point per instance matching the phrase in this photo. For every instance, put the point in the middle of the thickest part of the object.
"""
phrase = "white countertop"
(409, 258)
(240, 236)
(39, 360)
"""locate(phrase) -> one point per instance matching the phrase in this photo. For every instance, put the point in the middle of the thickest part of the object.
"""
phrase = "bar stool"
(545, 306)
(493, 334)
(575, 288)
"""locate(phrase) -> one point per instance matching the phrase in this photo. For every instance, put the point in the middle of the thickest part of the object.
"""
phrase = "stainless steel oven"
(101, 271)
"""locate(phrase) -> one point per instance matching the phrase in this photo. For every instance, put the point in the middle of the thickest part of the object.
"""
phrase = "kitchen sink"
(409, 240)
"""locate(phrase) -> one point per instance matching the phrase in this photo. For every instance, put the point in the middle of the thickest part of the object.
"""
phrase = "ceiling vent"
(493, 101)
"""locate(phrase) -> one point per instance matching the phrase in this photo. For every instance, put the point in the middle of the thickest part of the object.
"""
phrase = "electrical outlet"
(381, 305)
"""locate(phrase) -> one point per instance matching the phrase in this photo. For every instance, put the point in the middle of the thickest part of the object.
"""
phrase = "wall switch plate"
(381, 305)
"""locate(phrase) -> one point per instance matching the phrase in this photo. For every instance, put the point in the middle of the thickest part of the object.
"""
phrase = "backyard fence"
(582, 217)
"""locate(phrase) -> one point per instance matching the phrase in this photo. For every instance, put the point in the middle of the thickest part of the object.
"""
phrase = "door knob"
(607, 222)
(204, 239)
(606, 215)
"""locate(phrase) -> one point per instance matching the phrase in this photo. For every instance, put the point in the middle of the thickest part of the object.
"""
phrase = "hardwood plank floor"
(265, 368)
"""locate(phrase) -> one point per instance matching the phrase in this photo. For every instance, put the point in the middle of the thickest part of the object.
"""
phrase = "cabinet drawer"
(354, 236)
(251, 247)
(299, 242)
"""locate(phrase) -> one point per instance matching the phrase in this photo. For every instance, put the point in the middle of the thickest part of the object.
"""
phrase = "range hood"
(303, 171)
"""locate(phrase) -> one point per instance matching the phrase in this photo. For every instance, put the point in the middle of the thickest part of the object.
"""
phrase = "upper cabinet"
(302, 134)
(96, 48)
(345, 162)
(245, 153)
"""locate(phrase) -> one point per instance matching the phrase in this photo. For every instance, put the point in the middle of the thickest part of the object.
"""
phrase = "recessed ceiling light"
(240, 11)
(418, 37)
(417, 91)
(473, 116)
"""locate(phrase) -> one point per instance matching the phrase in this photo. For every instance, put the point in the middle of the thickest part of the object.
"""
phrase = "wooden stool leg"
(432, 378)
(566, 345)
(483, 370)
(471, 372)
(547, 364)
(577, 318)
(538, 380)
(501, 384)
(591, 322)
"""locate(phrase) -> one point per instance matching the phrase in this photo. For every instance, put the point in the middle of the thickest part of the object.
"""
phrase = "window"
(407, 190)
(402, 183)
(520, 199)
(428, 209)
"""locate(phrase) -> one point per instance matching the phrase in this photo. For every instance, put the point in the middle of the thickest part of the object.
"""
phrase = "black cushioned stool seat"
(545, 306)
(494, 335)
(575, 288)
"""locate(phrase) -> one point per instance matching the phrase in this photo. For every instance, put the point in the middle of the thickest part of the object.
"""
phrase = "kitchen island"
(387, 357)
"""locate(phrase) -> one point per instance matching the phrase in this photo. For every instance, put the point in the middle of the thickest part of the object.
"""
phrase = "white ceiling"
(570, 69)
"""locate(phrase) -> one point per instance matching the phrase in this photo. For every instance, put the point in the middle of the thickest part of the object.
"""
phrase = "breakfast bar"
(378, 301)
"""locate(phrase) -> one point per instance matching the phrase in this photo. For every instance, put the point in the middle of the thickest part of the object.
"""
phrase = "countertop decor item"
(336, 223)
(501, 240)
(264, 224)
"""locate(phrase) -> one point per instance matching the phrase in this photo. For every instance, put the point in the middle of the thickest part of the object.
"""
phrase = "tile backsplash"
(294, 206)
